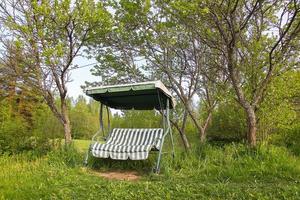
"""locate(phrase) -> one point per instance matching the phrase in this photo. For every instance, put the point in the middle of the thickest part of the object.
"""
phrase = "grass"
(209, 172)
(82, 145)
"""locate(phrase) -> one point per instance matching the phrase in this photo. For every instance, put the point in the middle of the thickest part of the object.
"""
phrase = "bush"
(20, 132)
(14, 136)
(228, 122)
(288, 137)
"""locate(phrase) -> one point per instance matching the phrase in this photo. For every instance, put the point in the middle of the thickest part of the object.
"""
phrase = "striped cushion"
(134, 144)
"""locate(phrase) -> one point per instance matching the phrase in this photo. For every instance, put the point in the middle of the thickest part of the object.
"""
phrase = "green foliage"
(45, 124)
(57, 23)
(228, 122)
(47, 39)
(84, 117)
(137, 119)
(18, 133)
(278, 113)
(288, 137)
(13, 135)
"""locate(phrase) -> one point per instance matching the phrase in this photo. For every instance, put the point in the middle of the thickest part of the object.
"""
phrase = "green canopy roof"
(139, 96)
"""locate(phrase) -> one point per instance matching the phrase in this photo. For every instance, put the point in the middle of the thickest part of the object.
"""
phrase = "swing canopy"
(138, 96)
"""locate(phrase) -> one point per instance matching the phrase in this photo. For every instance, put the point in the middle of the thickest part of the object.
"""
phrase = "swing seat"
(132, 144)
(125, 143)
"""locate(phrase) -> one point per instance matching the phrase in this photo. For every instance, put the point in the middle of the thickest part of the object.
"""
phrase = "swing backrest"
(135, 137)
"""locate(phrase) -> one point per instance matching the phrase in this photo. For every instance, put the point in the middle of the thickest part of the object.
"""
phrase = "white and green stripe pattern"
(134, 144)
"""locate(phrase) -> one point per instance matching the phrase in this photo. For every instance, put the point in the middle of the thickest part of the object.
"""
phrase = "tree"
(146, 44)
(278, 111)
(50, 34)
(258, 40)
(21, 99)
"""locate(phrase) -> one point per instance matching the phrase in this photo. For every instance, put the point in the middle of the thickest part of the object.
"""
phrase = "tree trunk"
(67, 130)
(201, 128)
(182, 132)
(202, 136)
(249, 109)
(66, 122)
(251, 122)
(185, 140)
(193, 117)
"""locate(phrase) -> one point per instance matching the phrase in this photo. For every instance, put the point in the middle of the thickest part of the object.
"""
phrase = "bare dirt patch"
(118, 175)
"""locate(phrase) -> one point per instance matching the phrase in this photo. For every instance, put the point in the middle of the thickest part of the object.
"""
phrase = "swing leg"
(157, 167)
(172, 141)
(85, 162)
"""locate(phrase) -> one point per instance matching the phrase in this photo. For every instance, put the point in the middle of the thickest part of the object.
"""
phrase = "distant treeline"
(26, 122)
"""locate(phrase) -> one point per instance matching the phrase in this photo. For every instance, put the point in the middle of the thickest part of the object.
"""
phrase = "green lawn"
(210, 172)
(82, 145)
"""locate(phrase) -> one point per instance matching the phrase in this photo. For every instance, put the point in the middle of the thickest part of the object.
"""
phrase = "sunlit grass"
(82, 145)
(208, 172)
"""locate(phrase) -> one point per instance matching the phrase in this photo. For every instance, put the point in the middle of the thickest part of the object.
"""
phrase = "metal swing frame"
(141, 96)
(166, 129)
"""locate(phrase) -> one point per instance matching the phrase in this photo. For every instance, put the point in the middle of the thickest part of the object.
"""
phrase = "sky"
(79, 76)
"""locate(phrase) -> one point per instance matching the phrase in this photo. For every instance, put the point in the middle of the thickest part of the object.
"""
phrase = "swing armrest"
(163, 136)
(157, 140)
(95, 135)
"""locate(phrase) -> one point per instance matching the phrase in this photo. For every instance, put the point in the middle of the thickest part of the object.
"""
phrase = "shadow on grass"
(144, 167)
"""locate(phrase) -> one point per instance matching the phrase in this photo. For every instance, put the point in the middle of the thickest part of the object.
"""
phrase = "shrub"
(14, 136)
(288, 137)
(228, 122)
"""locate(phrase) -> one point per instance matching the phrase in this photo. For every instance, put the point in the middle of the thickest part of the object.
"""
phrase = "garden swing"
(132, 143)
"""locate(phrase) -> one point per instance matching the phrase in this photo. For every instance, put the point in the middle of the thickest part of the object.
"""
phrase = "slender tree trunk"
(251, 122)
(249, 109)
(204, 128)
(183, 137)
(202, 136)
(66, 122)
(185, 140)
(200, 128)
(182, 132)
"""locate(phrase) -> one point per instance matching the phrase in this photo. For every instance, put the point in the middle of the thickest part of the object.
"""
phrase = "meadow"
(229, 69)
(229, 171)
